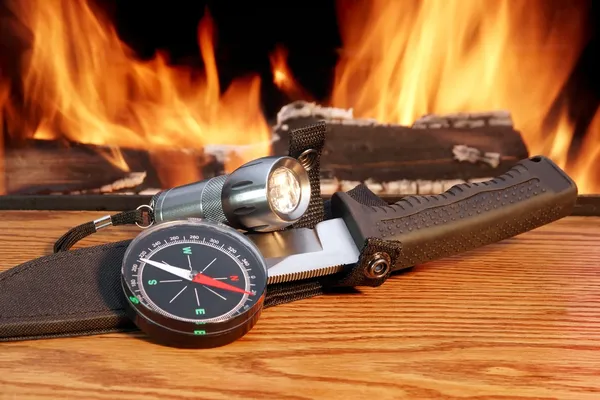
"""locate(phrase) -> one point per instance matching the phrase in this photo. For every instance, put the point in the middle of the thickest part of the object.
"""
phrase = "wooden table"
(518, 319)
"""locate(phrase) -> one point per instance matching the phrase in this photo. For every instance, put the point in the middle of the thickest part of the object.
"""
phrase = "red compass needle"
(208, 281)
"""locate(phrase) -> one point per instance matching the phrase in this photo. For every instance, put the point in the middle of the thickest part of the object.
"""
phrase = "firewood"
(44, 167)
(435, 148)
(56, 167)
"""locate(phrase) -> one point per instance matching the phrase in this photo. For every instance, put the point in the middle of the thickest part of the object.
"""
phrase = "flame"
(283, 77)
(585, 168)
(82, 83)
(558, 140)
(403, 59)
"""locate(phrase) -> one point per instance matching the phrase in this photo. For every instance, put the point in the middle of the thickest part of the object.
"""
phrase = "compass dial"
(194, 282)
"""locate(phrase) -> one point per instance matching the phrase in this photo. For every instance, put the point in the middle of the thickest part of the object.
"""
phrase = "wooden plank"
(520, 319)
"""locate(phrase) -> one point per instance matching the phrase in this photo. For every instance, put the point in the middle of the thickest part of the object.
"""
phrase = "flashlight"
(263, 195)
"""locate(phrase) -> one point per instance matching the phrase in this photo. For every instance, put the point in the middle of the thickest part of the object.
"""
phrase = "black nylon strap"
(74, 235)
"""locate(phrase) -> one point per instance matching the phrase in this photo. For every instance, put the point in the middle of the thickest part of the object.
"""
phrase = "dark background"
(245, 32)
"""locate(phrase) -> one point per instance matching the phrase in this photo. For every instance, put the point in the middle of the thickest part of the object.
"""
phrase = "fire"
(403, 59)
(283, 77)
(82, 83)
(585, 167)
(400, 60)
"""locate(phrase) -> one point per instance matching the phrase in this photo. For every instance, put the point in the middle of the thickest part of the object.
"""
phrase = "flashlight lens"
(284, 190)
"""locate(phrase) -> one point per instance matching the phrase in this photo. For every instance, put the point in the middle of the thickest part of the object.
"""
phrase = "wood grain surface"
(517, 319)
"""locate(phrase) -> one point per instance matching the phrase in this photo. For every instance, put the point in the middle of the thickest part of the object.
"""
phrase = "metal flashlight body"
(263, 195)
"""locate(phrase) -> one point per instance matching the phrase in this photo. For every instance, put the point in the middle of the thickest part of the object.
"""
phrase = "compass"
(194, 283)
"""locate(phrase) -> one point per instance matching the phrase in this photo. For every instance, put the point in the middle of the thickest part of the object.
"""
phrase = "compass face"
(190, 297)
(194, 272)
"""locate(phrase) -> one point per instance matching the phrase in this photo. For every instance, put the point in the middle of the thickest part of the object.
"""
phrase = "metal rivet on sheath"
(379, 265)
(308, 159)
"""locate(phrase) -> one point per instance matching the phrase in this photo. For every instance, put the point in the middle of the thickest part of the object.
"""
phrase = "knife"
(533, 193)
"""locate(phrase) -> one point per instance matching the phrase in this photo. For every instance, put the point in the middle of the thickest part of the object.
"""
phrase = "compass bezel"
(174, 330)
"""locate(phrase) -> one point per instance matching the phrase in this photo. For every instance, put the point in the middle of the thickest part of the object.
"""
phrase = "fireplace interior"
(127, 98)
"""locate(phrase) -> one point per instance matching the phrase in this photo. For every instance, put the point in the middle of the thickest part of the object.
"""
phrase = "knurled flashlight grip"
(470, 215)
(195, 200)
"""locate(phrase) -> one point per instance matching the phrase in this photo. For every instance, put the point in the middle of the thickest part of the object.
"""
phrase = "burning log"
(51, 167)
(428, 157)
(432, 153)
(43, 167)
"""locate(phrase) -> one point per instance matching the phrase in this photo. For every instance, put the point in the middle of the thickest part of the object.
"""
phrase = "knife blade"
(533, 193)
(304, 253)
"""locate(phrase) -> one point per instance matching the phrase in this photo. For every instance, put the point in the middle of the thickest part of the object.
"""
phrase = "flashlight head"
(284, 190)
(266, 194)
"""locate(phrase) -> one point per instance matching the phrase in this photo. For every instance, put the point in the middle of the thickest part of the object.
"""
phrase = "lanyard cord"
(142, 217)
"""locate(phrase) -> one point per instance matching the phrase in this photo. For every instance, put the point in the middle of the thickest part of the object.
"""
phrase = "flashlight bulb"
(284, 190)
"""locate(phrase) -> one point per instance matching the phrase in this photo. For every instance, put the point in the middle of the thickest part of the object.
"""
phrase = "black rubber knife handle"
(533, 193)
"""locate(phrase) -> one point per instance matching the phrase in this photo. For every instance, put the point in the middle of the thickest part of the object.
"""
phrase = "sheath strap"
(306, 145)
